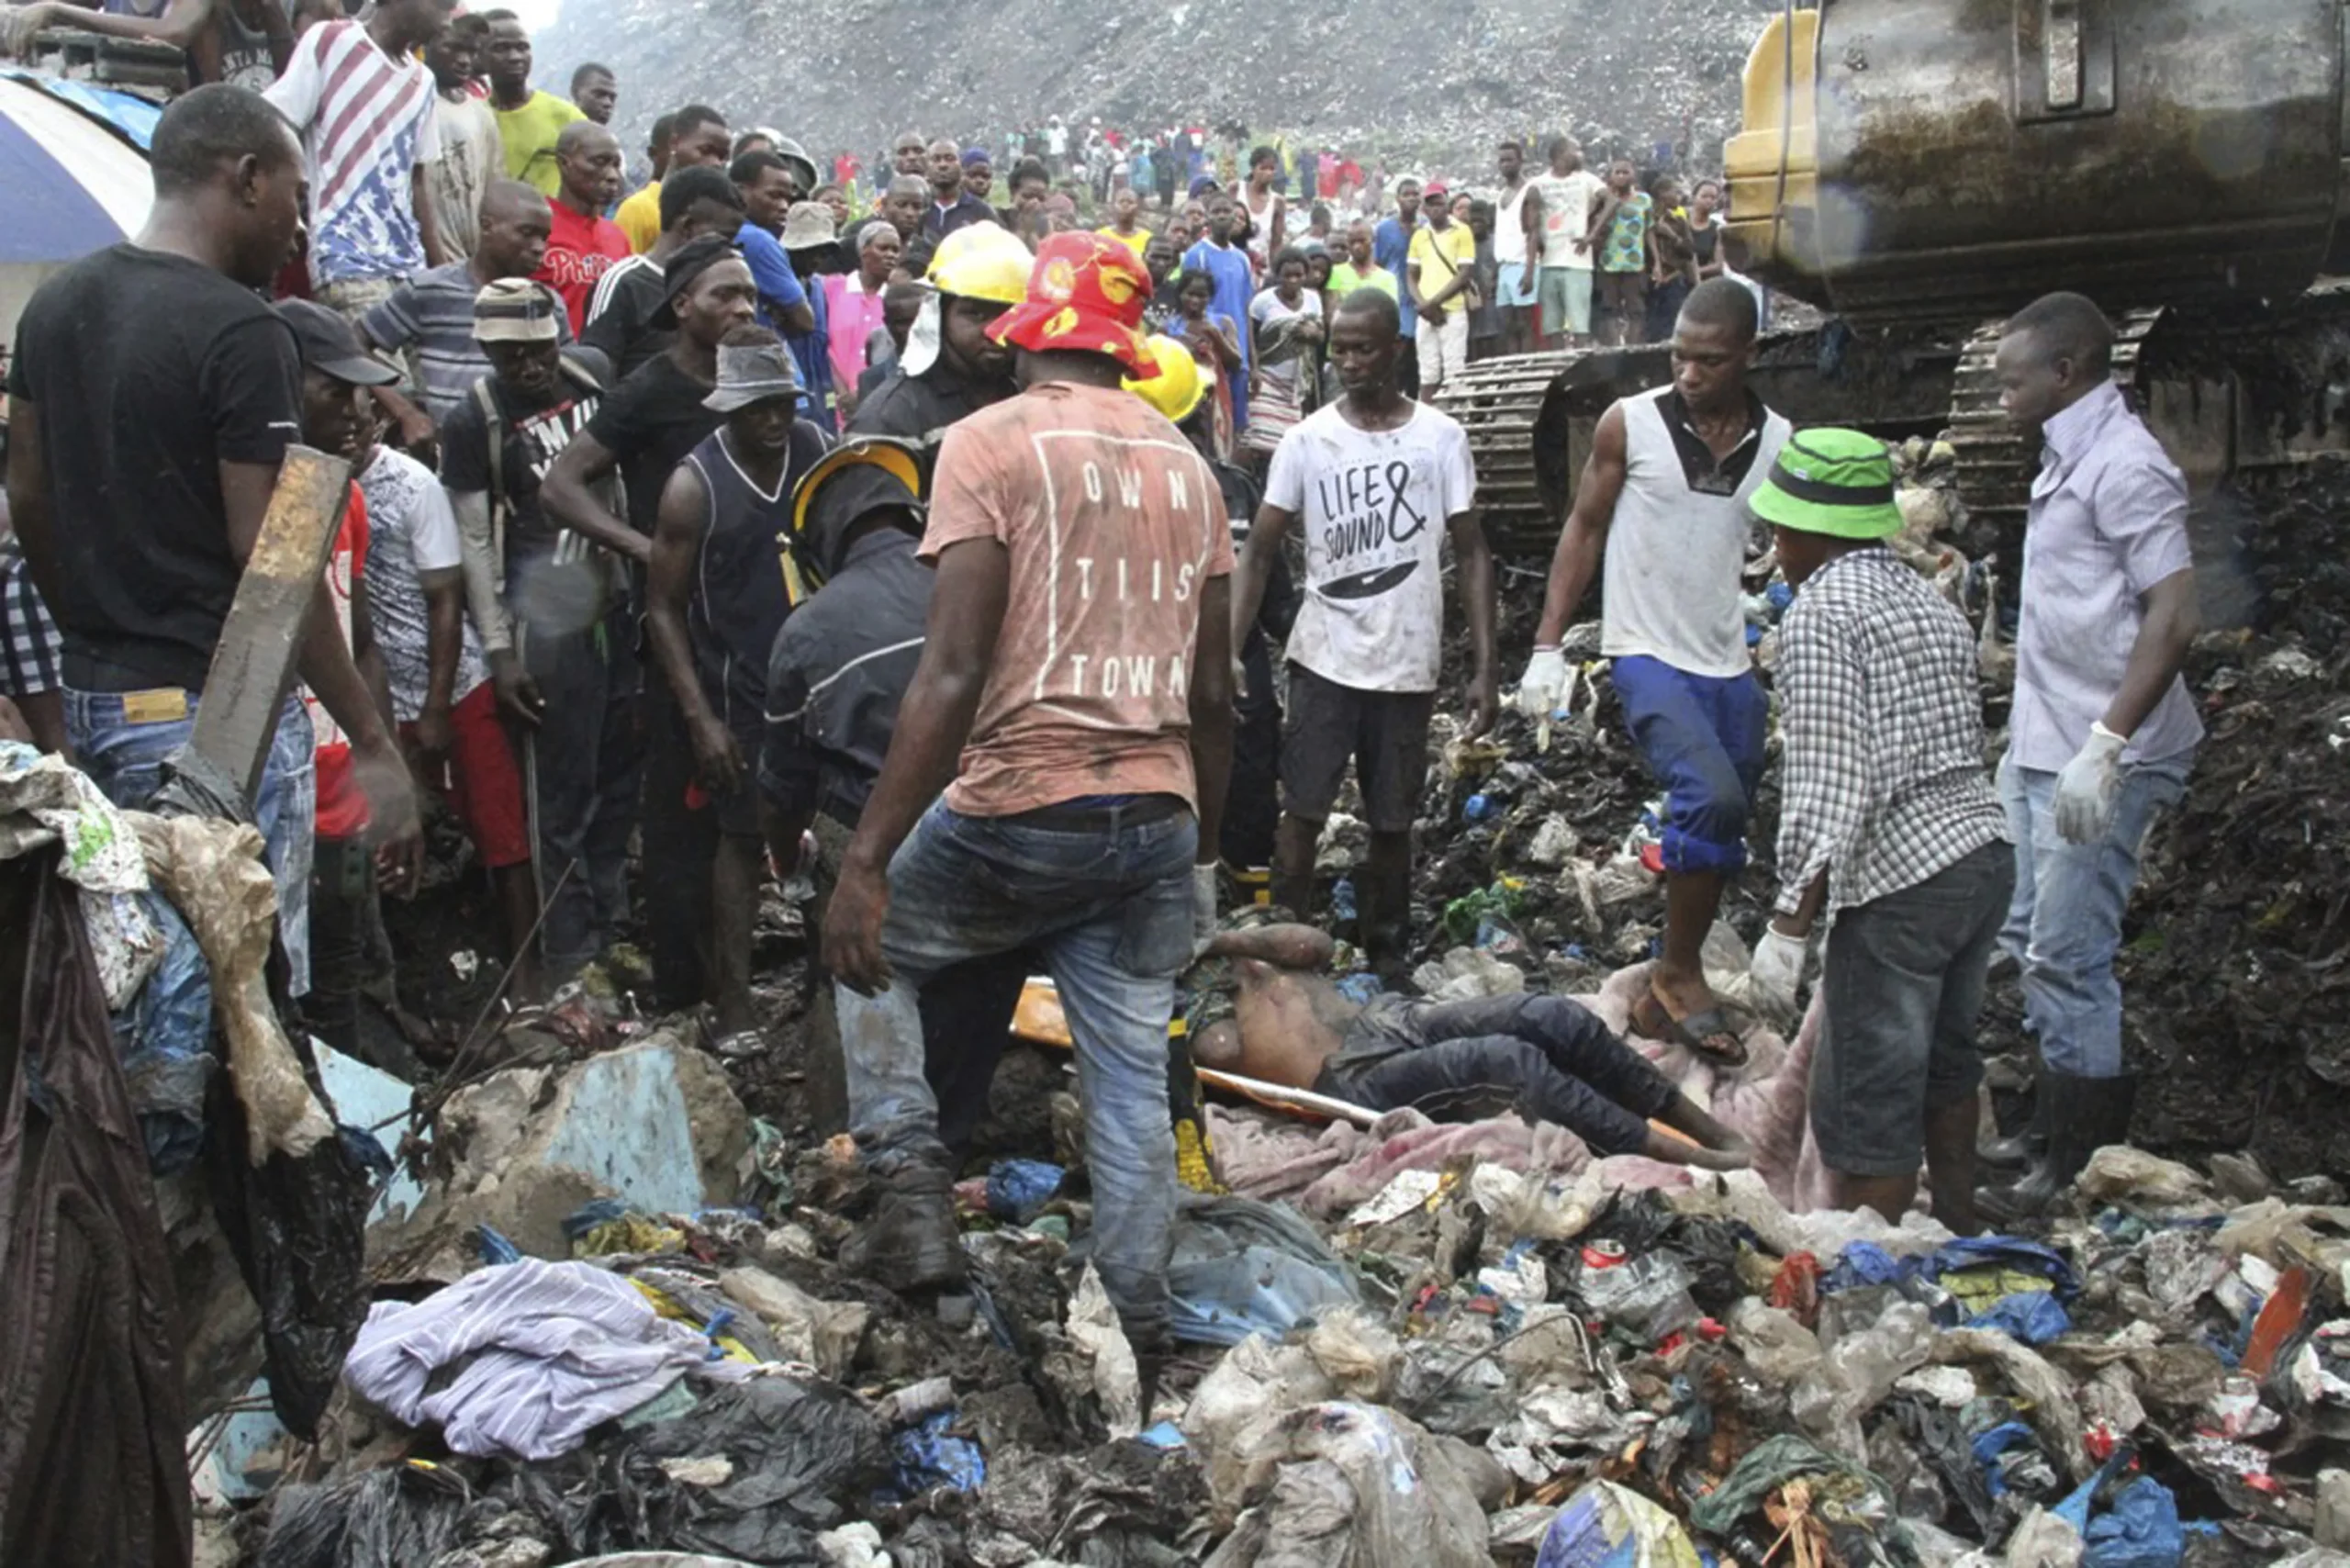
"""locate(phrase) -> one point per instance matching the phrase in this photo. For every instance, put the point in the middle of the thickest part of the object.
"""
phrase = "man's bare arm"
(1289, 947)
(567, 498)
(28, 497)
(1211, 714)
(1585, 538)
(2173, 619)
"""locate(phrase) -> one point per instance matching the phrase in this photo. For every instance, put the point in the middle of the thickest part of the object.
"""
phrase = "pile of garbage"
(844, 74)
(1405, 1343)
(2234, 970)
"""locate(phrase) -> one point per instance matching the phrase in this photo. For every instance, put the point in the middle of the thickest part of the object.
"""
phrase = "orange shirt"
(1114, 524)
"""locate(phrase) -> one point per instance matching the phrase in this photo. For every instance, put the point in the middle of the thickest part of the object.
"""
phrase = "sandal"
(1652, 1018)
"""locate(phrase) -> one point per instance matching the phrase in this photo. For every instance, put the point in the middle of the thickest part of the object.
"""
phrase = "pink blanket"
(1330, 1168)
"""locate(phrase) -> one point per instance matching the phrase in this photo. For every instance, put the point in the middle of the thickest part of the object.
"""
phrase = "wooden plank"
(252, 668)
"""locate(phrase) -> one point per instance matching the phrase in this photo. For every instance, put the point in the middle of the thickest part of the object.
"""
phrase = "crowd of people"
(741, 525)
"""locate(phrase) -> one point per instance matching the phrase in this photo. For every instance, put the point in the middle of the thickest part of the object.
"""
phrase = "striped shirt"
(429, 321)
(1882, 721)
(367, 122)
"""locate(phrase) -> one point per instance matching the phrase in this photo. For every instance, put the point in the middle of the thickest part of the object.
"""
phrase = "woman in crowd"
(1286, 320)
(854, 303)
(1215, 341)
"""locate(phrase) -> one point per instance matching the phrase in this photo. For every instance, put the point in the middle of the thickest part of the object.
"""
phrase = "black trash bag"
(398, 1518)
(1944, 1447)
(806, 1456)
(298, 1230)
(1708, 1253)
(93, 1423)
(565, 1496)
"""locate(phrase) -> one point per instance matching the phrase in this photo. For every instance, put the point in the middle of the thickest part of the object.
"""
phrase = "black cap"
(689, 263)
(331, 345)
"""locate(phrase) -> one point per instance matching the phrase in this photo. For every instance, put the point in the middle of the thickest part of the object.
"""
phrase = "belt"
(1104, 817)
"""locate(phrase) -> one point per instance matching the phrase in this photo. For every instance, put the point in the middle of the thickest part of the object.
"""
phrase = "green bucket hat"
(1831, 481)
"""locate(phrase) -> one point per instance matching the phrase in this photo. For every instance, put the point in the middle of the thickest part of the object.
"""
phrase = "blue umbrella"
(73, 174)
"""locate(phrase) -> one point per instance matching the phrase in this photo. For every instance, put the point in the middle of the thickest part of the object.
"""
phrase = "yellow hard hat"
(1176, 390)
(982, 261)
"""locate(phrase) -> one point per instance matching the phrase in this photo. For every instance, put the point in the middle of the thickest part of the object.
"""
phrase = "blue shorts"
(1703, 737)
(1516, 286)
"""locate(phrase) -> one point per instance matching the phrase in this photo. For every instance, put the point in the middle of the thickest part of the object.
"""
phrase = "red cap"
(1087, 293)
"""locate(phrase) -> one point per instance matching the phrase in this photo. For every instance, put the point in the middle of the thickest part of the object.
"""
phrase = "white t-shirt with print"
(1374, 507)
(410, 531)
(1566, 217)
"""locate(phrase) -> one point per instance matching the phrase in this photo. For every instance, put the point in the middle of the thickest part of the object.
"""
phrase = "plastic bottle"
(1342, 900)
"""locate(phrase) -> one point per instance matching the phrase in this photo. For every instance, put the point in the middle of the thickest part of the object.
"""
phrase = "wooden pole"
(252, 668)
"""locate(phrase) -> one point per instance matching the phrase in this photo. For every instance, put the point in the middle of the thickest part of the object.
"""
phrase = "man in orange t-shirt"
(1074, 703)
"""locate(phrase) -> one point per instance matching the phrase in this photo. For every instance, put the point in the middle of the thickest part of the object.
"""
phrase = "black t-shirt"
(650, 421)
(622, 330)
(534, 439)
(149, 370)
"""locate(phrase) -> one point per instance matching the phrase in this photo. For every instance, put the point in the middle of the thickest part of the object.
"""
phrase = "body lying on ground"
(1255, 1006)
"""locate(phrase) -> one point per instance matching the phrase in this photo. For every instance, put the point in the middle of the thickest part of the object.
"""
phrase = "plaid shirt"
(1883, 724)
(31, 651)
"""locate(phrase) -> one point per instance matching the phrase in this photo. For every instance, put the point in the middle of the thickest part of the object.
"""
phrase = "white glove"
(1775, 972)
(2087, 789)
(1538, 688)
(1202, 908)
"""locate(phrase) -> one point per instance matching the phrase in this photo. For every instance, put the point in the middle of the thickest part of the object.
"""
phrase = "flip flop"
(1652, 1018)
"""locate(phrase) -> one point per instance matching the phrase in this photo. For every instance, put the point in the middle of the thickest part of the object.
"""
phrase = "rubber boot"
(2085, 1114)
(2030, 1145)
(2030, 1195)
(911, 1241)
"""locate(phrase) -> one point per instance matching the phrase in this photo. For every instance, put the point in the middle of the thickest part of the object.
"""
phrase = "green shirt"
(1345, 280)
(529, 136)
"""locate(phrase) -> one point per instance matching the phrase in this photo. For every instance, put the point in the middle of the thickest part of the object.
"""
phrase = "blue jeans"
(2064, 925)
(1110, 908)
(1703, 736)
(166, 1036)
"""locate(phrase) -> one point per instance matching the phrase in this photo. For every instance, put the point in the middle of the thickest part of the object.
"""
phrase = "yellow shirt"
(640, 217)
(529, 134)
(1438, 256)
(1135, 241)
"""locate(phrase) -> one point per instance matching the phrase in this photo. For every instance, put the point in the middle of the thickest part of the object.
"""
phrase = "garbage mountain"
(1405, 82)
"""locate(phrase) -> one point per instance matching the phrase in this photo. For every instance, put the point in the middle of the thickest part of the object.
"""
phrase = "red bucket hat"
(1086, 292)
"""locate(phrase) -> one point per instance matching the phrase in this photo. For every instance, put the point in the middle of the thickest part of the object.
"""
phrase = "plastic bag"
(1240, 1267)
(297, 1227)
(215, 876)
(805, 1455)
(369, 1518)
(1358, 1482)
(930, 1454)
(1356, 1351)
(1607, 1526)
(1647, 1296)
(1018, 1190)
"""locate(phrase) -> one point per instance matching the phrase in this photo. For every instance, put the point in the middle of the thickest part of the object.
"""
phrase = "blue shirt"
(813, 351)
(771, 271)
(1235, 286)
(1390, 247)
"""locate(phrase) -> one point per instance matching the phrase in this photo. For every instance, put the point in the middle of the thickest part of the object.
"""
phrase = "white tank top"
(1509, 229)
(1676, 549)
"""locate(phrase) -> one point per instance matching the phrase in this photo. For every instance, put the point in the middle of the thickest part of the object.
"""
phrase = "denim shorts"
(1902, 981)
